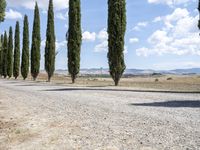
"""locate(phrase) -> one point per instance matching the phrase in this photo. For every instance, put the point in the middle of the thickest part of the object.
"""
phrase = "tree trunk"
(116, 82)
(73, 79)
(49, 79)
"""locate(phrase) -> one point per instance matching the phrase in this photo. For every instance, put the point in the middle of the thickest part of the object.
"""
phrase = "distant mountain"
(187, 71)
(105, 71)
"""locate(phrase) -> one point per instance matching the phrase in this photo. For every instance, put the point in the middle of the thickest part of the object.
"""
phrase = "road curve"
(48, 116)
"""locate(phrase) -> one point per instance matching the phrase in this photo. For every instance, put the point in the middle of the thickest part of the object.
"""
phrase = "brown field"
(184, 83)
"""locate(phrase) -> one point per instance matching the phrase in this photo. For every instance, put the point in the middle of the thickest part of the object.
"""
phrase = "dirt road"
(47, 116)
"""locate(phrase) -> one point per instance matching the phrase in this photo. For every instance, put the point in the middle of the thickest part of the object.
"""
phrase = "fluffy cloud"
(87, 36)
(133, 40)
(102, 35)
(102, 47)
(170, 2)
(43, 4)
(140, 25)
(157, 19)
(61, 16)
(12, 14)
(179, 36)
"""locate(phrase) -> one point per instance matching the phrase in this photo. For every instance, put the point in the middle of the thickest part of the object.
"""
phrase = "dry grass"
(164, 82)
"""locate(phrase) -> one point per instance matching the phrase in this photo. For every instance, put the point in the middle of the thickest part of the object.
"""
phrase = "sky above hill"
(161, 34)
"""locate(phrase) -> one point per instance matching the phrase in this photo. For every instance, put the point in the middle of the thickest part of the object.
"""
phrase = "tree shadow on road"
(175, 103)
(119, 90)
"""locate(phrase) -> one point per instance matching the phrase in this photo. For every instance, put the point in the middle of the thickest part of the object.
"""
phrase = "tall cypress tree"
(74, 38)
(5, 52)
(50, 43)
(116, 33)
(199, 14)
(2, 10)
(16, 64)
(10, 54)
(36, 42)
(25, 49)
(1, 54)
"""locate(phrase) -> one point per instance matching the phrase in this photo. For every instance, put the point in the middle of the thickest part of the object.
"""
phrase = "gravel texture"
(47, 116)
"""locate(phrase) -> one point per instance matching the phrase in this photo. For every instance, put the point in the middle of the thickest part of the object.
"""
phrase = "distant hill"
(187, 71)
(105, 71)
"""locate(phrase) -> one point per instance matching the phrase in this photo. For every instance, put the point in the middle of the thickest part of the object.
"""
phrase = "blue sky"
(161, 34)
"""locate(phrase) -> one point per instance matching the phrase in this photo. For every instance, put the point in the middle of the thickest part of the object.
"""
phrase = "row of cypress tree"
(116, 32)
(10, 62)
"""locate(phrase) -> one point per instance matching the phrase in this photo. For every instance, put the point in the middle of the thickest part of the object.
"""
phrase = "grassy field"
(162, 82)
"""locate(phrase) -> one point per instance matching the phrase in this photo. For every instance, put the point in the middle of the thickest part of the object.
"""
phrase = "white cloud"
(125, 50)
(140, 25)
(157, 19)
(102, 47)
(61, 16)
(43, 4)
(12, 14)
(179, 36)
(87, 36)
(61, 45)
(133, 40)
(102, 35)
(171, 2)
(178, 14)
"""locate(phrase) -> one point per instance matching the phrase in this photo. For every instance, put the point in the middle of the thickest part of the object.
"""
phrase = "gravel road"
(47, 116)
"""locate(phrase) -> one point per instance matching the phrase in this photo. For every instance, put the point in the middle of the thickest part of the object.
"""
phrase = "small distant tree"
(16, 64)
(116, 33)
(50, 43)
(10, 54)
(25, 49)
(1, 54)
(36, 42)
(2, 10)
(5, 52)
(74, 38)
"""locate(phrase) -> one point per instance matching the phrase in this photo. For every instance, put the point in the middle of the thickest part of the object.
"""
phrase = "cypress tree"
(1, 54)
(10, 54)
(74, 38)
(2, 10)
(36, 42)
(199, 14)
(5, 52)
(116, 33)
(25, 49)
(50, 43)
(16, 64)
